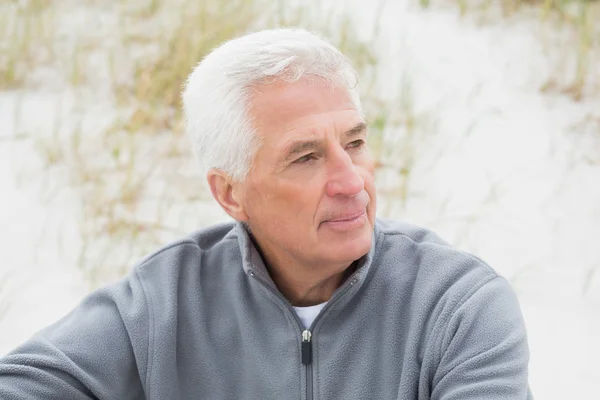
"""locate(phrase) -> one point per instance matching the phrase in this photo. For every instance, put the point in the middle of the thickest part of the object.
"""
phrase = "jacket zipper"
(307, 360)
(306, 337)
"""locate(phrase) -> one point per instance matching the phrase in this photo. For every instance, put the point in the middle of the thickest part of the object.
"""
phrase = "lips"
(346, 217)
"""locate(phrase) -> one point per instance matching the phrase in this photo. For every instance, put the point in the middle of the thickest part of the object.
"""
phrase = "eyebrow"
(357, 129)
(304, 145)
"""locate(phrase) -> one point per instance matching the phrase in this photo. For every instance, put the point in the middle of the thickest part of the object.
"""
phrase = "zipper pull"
(306, 347)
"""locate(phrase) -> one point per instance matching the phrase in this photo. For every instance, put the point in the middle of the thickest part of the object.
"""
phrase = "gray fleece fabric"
(201, 319)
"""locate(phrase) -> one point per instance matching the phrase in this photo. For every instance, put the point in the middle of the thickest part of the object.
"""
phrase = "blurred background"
(484, 119)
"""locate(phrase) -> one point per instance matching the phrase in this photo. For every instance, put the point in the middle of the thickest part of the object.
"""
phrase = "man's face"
(310, 194)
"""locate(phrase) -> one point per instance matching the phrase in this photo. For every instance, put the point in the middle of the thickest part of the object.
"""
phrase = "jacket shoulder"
(187, 249)
(415, 233)
(430, 254)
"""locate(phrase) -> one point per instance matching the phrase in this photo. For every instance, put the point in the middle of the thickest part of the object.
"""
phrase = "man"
(306, 295)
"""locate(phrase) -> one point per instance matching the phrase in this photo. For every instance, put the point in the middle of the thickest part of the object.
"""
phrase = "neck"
(304, 284)
(304, 291)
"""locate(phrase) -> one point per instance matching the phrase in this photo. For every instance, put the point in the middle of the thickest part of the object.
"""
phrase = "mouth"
(347, 217)
(347, 222)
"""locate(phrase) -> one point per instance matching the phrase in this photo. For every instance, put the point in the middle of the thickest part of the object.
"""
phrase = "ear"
(226, 193)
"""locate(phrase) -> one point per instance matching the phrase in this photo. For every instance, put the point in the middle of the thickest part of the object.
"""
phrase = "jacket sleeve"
(484, 351)
(98, 351)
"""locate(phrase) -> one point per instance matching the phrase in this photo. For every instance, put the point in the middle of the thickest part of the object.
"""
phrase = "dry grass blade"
(575, 66)
(137, 178)
(26, 32)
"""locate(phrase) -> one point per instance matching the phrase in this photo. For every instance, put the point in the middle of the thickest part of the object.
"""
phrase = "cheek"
(368, 168)
(256, 203)
(300, 203)
(369, 162)
(279, 200)
(369, 178)
(370, 188)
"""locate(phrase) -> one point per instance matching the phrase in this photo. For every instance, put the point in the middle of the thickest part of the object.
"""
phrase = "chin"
(351, 249)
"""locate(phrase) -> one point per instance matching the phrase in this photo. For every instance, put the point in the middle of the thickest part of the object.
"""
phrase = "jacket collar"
(253, 264)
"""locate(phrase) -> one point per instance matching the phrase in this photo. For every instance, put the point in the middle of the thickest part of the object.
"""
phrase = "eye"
(356, 144)
(305, 159)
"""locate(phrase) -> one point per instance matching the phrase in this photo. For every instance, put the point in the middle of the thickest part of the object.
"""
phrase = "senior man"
(306, 295)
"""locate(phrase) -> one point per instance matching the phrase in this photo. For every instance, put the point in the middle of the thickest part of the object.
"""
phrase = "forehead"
(284, 107)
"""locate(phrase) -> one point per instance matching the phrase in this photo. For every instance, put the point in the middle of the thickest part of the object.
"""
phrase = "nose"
(344, 178)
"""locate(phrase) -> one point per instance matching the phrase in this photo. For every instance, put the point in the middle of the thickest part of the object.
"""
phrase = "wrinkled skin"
(311, 211)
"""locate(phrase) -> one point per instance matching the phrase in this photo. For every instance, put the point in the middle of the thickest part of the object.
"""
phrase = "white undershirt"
(308, 314)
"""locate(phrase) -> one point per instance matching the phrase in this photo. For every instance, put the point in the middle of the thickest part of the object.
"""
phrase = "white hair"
(217, 92)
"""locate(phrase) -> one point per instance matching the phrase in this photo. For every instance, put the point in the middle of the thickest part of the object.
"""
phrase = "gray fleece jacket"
(201, 319)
